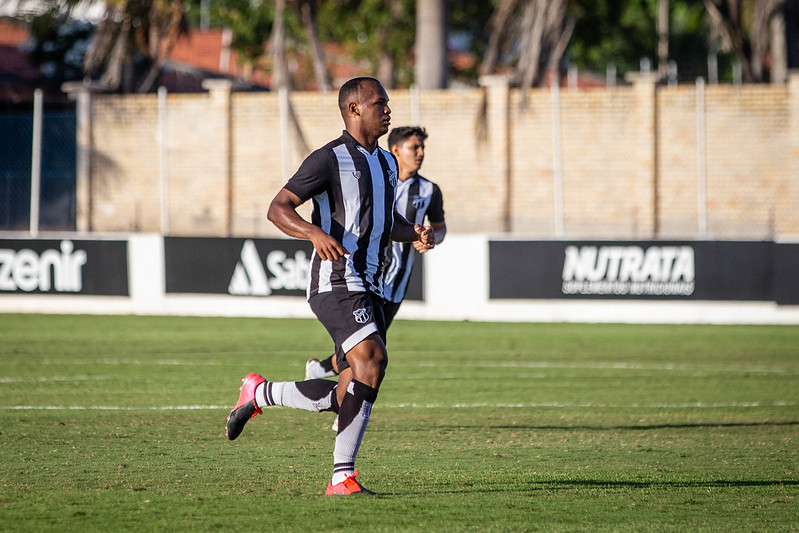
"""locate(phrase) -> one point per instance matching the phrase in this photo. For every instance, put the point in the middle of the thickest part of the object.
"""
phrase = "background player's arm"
(439, 230)
(283, 214)
(404, 231)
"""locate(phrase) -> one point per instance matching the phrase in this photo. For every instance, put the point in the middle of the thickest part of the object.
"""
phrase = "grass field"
(117, 423)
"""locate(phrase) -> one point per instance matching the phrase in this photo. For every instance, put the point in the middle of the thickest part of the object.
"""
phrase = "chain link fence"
(57, 206)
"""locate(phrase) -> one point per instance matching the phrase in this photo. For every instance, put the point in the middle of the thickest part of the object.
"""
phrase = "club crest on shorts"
(361, 315)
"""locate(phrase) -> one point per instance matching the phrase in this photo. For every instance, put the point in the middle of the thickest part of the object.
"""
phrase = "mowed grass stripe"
(477, 427)
(692, 405)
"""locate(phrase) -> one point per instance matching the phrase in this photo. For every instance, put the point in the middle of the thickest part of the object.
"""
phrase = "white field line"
(134, 362)
(598, 365)
(687, 405)
(53, 379)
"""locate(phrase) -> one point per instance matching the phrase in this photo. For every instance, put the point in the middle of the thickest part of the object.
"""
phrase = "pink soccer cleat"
(246, 408)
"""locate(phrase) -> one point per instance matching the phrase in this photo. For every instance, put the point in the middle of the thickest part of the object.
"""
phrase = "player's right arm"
(283, 214)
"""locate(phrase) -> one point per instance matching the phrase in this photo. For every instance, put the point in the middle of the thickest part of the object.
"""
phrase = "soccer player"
(351, 182)
(417, 198)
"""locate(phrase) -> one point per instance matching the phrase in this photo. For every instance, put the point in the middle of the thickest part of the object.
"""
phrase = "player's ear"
(395, 150)
(353, 108)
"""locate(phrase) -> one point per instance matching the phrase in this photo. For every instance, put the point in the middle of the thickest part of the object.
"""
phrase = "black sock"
(327, 364)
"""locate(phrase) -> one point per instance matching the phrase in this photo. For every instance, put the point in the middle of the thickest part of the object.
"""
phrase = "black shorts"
(349, 317)
(390, 311)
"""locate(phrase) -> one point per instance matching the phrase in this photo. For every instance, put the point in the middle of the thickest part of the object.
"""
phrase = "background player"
(417, 198)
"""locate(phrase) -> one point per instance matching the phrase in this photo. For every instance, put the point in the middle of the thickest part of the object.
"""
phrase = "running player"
(351, 182)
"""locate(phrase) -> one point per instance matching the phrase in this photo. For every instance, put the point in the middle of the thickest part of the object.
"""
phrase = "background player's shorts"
(349, 317)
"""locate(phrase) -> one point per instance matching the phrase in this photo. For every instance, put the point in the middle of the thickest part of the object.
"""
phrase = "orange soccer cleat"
(348, 486)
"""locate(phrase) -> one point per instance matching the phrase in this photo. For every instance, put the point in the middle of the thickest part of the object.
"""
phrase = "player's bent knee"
(368, 361)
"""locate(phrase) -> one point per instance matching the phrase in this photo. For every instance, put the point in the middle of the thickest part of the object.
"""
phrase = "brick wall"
(124, 192)
(628, 167)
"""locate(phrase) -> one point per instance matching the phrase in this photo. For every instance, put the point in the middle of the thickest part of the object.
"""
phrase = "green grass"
(478, 427)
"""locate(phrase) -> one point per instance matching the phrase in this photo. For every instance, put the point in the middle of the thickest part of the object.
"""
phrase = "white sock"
(353, 419)
(339, 477)
(313, 395)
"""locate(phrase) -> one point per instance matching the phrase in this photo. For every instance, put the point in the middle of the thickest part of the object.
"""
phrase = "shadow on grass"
(632, 427)
(576, 484)
(565, 483)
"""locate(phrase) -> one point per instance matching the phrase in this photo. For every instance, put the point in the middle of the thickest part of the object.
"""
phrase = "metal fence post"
(163, 159)
(36, 162)
(557, 159)
(701, 186)
(285, 131)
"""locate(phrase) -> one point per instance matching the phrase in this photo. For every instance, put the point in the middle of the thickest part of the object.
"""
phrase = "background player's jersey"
(353, 201)
(416, 198)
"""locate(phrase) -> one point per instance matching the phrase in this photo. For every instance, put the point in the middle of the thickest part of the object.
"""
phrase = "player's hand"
(426, 236)
(419, 247)
(328, 248)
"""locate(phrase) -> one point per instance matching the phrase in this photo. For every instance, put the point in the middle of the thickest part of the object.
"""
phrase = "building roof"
(18, 77)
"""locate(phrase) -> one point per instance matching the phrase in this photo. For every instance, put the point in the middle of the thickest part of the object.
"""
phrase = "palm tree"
(130, 44)
(533, 34)
(133, 41)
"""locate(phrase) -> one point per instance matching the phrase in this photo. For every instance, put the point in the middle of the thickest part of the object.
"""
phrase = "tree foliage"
(130, 44)
(522, 38)
(59, 46)
(379, 34)
(250, 22)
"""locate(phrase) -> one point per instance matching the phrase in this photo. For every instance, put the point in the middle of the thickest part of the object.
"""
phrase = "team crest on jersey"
(392, 177)
(417, 201)
(356, 174)
(361, 315)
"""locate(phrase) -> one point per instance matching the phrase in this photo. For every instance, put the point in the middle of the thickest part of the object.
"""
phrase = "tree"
(307, 13)
(250, 24)
(129, 46)
(280, 70)
(58, 47)
(380, 34)
(624, 32)
(255, 25)
(132, 42)
(431, 44)
(530, 36)
(729, 19)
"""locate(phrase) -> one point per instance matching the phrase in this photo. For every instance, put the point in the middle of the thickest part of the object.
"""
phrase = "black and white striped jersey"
(416, 198)
(352, 193)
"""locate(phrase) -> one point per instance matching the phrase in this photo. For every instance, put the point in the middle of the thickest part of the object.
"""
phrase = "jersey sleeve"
(312, 177)
(435, 213)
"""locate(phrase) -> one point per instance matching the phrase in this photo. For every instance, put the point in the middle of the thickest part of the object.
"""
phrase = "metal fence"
(38, 153)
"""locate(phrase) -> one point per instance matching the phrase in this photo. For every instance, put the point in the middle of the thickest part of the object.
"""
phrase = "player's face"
(375, 113)
(409, 154)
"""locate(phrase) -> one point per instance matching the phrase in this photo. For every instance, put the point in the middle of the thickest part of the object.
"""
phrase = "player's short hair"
(351, 91)
(402, 133)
